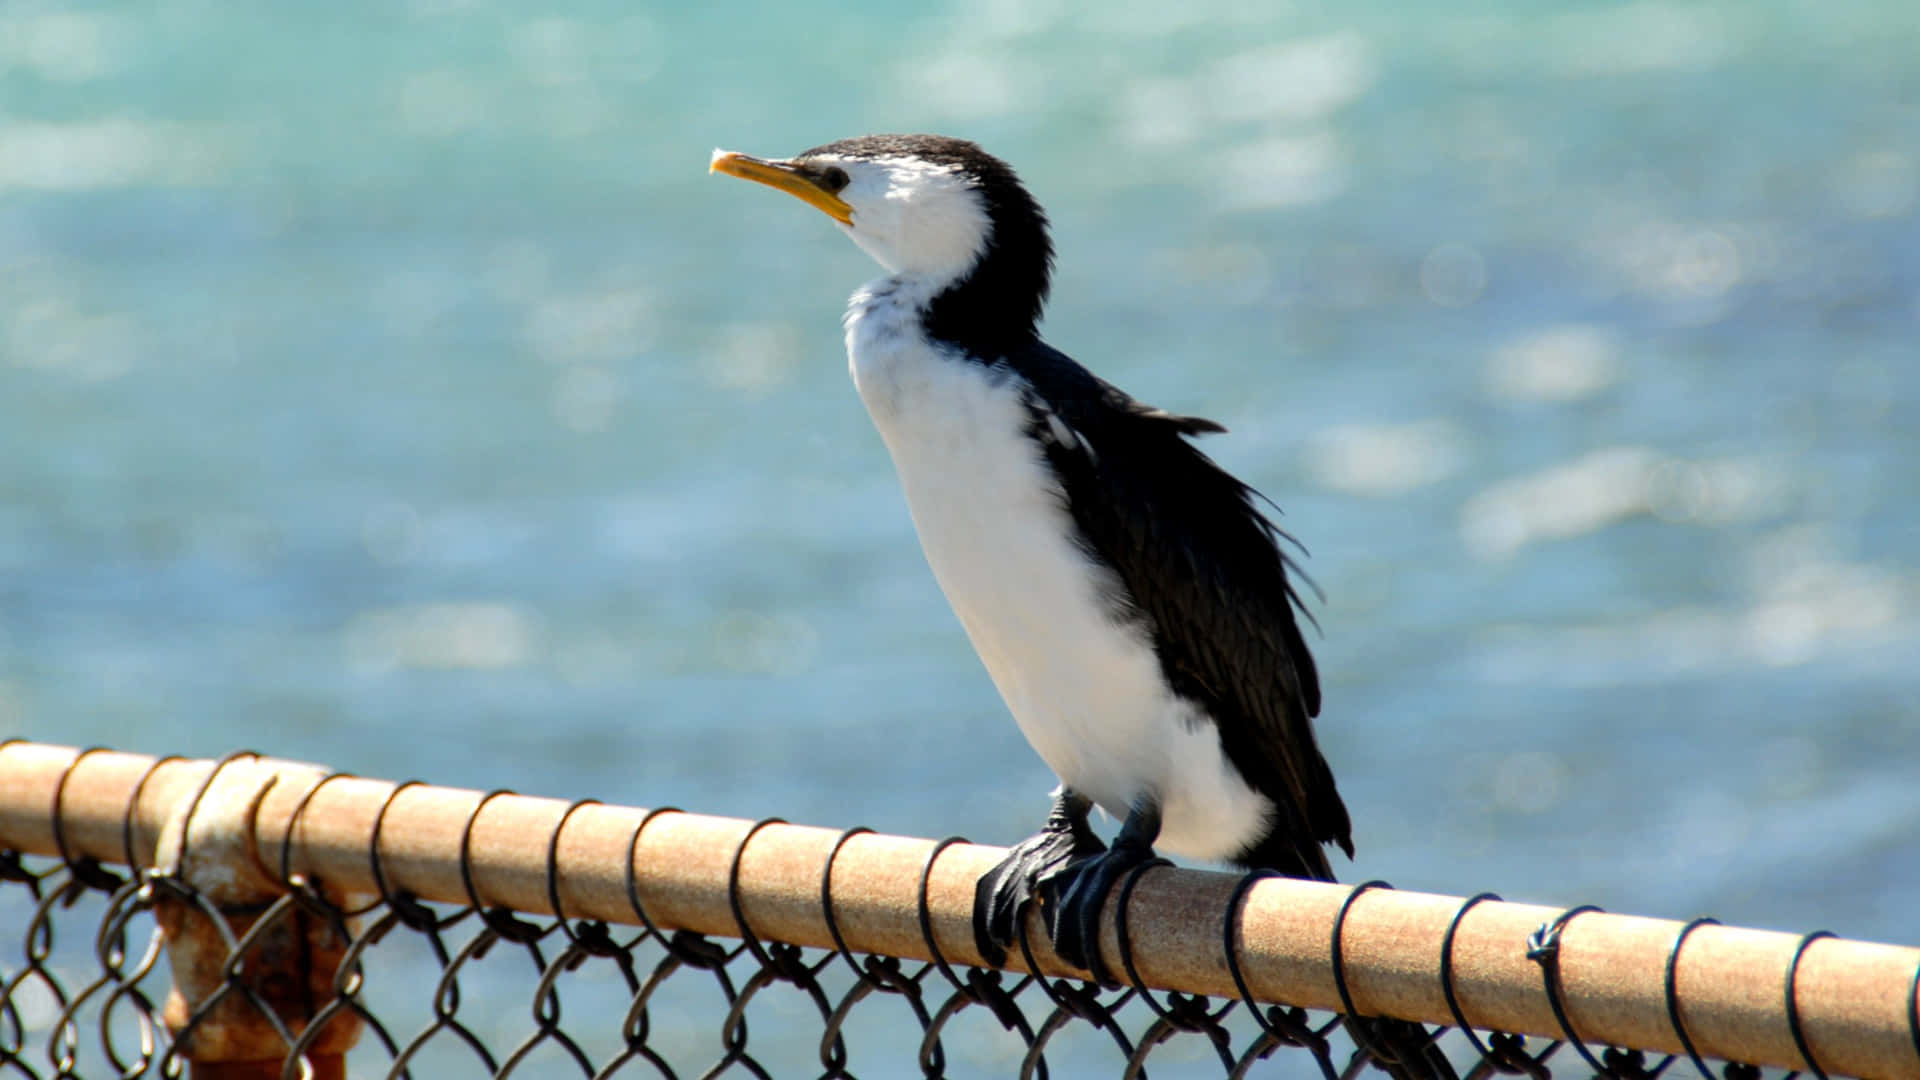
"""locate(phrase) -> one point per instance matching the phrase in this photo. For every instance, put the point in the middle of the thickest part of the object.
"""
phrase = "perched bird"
(1127, 595)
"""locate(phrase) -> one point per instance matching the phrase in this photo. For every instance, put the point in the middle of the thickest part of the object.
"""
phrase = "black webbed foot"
(1075, 897)
(1070, 872)
(1001, 896)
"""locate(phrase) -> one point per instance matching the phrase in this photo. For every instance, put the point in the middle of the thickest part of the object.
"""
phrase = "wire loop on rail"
(309, 890)
(747, 936)
(1122, 933)
(1446, 971)
(1673, 993)
(1230, 948)
(982, 986)
(133, 809)
(632, 873)
(501, 920)
(1793, 1002)
(1183, 1012)
(406, 907)
(687, 947)
(591, 936)
(1359, 1028)
(1279, 1026)
(1069, 1002)
(293, 825)
(83, 872)
(923, 911)
(826, 905)
(877, 973)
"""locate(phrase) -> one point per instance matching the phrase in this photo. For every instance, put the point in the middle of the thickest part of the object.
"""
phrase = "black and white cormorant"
(1126, 594)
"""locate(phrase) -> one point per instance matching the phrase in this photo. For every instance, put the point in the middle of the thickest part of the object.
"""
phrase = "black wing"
(1204, 573)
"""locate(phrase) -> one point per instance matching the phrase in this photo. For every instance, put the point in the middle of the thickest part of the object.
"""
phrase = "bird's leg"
(1075, 898)
(1001, 896)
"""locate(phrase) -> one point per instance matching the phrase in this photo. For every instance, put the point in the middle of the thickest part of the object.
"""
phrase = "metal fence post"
(251, 966)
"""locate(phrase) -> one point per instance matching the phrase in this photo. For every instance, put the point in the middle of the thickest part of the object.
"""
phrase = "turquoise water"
(389, 386)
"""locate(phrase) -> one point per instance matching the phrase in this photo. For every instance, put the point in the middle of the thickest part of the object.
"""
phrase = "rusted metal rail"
(239, 834)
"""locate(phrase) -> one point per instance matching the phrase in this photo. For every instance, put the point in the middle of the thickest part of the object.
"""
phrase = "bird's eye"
(833, 178)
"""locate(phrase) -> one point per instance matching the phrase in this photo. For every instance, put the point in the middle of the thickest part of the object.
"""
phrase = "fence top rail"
(1799, 1001)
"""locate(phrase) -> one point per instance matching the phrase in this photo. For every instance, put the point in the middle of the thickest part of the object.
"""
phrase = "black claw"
(1001, 896)
(1070, 872)
(1075, 898)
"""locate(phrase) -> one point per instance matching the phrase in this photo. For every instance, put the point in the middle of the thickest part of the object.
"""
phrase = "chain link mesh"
(446, 990)
(410, 988)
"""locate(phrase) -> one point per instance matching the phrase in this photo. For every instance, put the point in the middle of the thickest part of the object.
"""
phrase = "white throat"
(886, 345)
(915, 217)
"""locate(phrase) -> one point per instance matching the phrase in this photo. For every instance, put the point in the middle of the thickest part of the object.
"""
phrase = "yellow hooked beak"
(784, 176)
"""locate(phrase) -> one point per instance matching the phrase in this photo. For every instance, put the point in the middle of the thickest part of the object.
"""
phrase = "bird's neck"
(983, 311)
(889, 354)
(897, 297)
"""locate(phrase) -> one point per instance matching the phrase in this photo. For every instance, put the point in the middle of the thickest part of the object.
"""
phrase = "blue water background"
(387, 385)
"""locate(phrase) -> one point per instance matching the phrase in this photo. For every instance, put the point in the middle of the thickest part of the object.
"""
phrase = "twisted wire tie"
(1543, 948)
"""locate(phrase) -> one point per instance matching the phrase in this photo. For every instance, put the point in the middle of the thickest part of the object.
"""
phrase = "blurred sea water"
(387, 385)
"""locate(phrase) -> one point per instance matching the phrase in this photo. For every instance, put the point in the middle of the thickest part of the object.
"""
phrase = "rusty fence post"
(252, 966)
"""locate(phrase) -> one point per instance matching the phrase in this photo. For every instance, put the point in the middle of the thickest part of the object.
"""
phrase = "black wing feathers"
(1204, 573)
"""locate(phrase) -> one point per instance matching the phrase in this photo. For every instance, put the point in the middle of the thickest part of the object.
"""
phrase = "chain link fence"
(290, 923)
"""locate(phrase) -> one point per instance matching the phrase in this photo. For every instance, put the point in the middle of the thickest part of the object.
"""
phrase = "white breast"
(1086, 691)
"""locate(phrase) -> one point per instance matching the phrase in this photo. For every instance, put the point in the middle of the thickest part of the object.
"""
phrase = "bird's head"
(931, 207)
